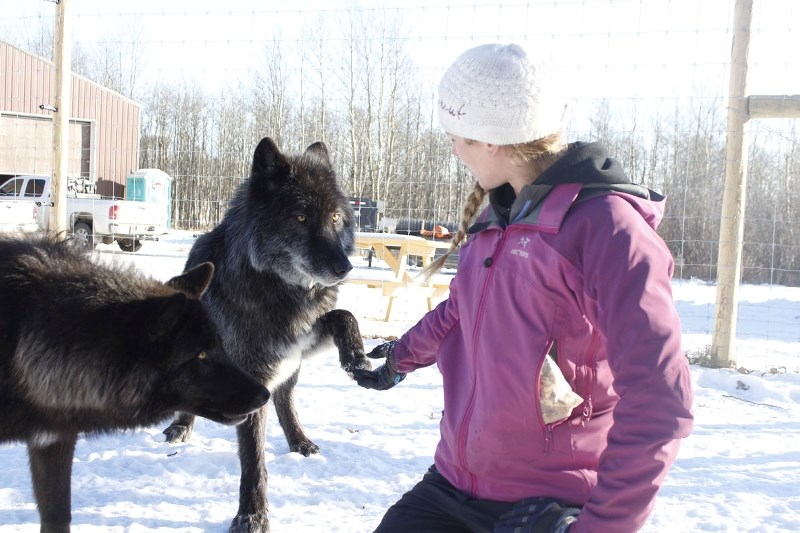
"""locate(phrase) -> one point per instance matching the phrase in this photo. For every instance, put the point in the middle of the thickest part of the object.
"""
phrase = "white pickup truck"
(18, 216)
(90, 217)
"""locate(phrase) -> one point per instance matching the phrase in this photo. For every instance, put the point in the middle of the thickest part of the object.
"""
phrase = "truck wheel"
(82, 236)
(129, 245)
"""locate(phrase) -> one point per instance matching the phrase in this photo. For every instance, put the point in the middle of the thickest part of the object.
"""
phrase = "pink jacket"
(593, 277)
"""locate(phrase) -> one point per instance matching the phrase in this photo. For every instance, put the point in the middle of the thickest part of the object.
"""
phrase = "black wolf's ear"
(320, 150)
(194, 281)
(270, 167)
(165, 317)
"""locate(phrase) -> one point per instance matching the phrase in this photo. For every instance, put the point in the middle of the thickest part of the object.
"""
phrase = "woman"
(565, 388)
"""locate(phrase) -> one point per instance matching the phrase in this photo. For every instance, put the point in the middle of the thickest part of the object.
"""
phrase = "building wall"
(26, 81)
(26, 145)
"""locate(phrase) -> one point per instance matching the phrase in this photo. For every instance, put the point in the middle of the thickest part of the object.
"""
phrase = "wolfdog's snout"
(342, 266)
(260, 398)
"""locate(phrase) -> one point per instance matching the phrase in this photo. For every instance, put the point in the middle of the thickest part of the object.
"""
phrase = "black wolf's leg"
(342, 327)
(51, 471)
(253, 506)
(180, 429)
(287, 416)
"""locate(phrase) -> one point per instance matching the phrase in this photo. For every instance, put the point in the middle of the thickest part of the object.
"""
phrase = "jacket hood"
(585, 164)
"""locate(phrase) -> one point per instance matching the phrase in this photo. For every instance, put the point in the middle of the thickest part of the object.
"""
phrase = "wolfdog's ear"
(269, 165)
(320, 150)
(194, 281)
(166, 317)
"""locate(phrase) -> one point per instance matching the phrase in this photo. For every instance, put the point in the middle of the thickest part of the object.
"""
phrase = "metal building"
(104, 125)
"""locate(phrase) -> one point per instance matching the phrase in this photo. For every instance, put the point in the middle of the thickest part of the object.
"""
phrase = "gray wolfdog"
(91, 348)
(280, 253)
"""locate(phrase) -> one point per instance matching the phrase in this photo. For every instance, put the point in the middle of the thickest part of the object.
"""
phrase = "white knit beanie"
(500, 95)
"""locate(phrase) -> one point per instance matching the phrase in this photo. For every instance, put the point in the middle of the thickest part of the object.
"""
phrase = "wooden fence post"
(63, 84)
(729, 259)
(740, 109)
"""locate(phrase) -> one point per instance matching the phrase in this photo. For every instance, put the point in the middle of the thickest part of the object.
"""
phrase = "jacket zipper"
(548, 428)
(548, 438)
(462, 434)
(548, 434)
(589, 381)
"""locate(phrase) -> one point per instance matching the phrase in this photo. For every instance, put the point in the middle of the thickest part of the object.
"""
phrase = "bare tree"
(374, 74)
(117, 64)
(772, 218)
(315, 61)
(38, 39)
(269, 93)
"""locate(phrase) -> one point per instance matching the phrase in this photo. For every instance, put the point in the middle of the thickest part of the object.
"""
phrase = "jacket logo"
(523, 241)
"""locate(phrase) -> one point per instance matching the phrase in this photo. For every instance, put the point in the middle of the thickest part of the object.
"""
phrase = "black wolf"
(281, 252)
(91, 348)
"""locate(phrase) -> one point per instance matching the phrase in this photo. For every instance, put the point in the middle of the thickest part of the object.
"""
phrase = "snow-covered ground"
(739, 471)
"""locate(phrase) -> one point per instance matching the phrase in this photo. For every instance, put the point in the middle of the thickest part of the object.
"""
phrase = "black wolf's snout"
(247, 396)
(260, 398)
(215, 388)
(342, 266)
(256, 396)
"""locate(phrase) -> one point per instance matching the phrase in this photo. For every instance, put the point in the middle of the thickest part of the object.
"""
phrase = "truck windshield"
(11, 188)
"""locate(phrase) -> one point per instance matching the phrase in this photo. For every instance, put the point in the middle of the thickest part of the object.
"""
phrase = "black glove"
(385, 376)
(537, 515)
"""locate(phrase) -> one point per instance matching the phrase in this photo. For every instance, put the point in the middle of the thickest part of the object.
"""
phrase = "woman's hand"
(385, 376)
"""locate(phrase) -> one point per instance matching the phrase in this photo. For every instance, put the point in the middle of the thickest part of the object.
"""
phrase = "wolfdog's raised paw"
(250, 523)
(358, 361)
(177, 433)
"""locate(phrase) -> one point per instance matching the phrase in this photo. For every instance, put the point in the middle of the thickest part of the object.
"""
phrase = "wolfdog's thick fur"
(91, 348)
(281, 252)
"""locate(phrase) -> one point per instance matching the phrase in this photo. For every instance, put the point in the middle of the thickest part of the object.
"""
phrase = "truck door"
(34, 188)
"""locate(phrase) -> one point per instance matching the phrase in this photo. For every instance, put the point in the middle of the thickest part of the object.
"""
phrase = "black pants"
(436, 506)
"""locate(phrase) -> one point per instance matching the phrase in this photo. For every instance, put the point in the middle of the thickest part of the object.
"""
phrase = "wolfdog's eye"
(300, 218)
(336, 217)
(202, 356)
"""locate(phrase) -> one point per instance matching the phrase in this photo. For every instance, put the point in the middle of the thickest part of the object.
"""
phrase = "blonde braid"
(474, 201)
(535, 152)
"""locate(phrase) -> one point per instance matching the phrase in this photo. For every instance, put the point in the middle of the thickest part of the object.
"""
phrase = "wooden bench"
(390, 289)
(395, 250)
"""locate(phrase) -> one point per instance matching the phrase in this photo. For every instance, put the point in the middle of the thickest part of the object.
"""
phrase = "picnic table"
(395, 250)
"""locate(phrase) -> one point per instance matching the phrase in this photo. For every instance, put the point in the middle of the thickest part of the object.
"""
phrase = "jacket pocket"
(556, 397)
